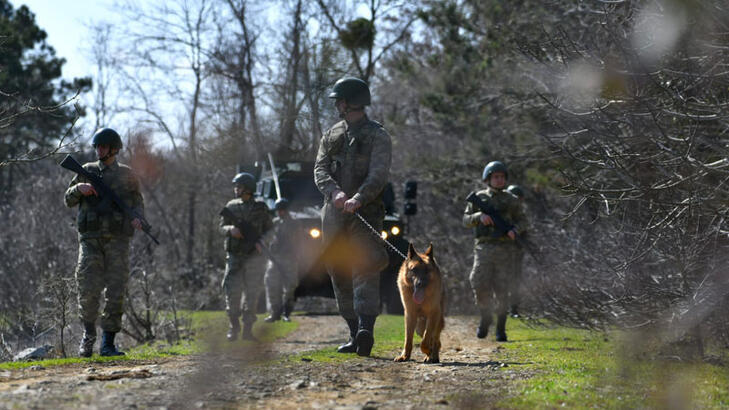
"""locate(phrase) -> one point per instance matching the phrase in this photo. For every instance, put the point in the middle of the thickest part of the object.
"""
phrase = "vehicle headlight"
(395, 230)
(384, 234)
(315, 233)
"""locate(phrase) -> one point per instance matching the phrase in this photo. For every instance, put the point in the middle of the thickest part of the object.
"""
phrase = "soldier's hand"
(486, 220)
(511, 234)
(236, 233)
(259, 248)
(137, 224)
(86, 189)
(339, 198)
(352, 205)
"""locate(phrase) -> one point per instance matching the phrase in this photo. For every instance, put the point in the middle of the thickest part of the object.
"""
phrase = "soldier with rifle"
(497, 219)
(242, 222)
(110, 208)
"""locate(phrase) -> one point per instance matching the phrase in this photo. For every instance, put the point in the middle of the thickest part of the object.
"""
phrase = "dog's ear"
(412, 254)
(429, 251)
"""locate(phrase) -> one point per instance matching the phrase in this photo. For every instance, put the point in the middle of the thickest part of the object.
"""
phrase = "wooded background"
(612, 115)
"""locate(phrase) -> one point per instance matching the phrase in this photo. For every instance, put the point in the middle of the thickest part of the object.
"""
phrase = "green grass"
(206, 326)
(582, 369)
(389, 334)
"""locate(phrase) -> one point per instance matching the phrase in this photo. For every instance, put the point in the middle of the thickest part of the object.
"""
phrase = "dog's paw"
(429, 359)
(401, 358)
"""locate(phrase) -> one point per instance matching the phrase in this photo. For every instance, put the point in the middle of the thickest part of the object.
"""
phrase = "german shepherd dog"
(423, 296)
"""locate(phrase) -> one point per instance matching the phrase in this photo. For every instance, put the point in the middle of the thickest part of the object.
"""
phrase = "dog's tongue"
(419, 295)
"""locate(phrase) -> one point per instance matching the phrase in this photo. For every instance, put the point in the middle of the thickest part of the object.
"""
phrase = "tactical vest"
(501, 202)
(101, 217)
(252, 211)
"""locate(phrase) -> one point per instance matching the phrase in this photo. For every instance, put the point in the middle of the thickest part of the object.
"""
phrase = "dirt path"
(469, 377)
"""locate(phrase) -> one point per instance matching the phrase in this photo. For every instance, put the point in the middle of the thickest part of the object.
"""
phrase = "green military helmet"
(246, 180)
(352, 90)
(494, 166)
(515, 190)
(282, 204)
(106, 136)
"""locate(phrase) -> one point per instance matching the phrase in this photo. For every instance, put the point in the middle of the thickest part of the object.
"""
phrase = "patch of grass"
(206, 325)
(389, 334)
(580, 369)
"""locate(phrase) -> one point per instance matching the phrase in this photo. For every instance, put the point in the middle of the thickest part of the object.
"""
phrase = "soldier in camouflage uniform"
(104, 235)
(244, 263)
(515, 282)
(351, 170)
(493, 254)
(281, 276)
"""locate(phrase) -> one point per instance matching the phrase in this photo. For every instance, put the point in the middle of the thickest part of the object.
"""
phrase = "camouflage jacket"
(254, 212)
(287, 232)
(355, 159)
(506, 204)
(99, 218)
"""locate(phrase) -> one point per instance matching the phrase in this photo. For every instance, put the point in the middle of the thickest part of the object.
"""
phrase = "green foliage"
(30, 75)
(359, 34)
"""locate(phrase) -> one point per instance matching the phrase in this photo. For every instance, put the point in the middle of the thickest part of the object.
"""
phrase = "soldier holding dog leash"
(351, 170)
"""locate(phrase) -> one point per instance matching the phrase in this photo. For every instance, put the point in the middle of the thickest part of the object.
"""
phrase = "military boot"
(107, 345)
(351, 346)
(233, 328)
(248, 332)
(514, 311)
(288, 309)
(274, 316)
(483, 326)
(365, 337)
(501, 328)
(86, 349)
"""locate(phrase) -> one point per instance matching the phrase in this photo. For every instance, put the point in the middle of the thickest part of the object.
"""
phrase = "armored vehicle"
(296, 184)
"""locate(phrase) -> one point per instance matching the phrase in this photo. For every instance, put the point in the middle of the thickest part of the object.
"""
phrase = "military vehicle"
(296, 183)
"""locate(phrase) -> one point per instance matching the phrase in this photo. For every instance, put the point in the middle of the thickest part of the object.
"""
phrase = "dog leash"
(377, 234)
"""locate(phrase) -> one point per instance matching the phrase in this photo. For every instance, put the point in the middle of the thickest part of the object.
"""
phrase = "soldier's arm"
(519, 219)
(72, 197)
(322, 169)
(137, 198)
(225, 226)
(470, 218)
(379, 168)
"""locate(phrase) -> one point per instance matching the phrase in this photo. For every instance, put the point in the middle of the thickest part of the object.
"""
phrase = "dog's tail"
(420, 326)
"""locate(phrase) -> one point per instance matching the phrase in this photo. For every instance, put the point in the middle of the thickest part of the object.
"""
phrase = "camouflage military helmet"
(515, 190)
(352, 90)
(246, 180)
(494, 166)
(106, 136)
(281, 204)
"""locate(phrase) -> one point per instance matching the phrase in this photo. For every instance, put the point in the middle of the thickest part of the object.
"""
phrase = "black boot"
(351, 346)
(483, 326)
(274, 316)
(501, 328)
(107, 345)
(86, 349)
(365, 338)
(248, 332)
(233, 328)
(288, 309)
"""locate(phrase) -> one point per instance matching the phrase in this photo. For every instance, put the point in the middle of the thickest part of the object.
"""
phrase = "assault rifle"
(503, 227)
(251, 237)
(106, 193)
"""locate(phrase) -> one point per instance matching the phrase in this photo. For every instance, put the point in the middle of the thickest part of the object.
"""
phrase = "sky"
(66, 23)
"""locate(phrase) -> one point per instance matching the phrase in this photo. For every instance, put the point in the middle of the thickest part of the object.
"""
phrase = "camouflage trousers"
(280, 286)
(243, 284)
(492, 273)
(103, 265)
(355, 258)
